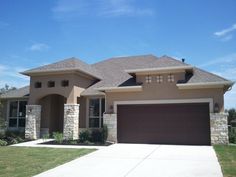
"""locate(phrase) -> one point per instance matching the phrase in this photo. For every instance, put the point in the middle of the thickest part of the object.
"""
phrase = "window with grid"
(171, 78)
(159, 79)
(16, 115)
(148, 79)
(96, 110)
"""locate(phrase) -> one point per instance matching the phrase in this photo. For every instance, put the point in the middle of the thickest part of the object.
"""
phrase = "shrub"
(45, 137)
(14, 141)
(84, 136)
(14, 134)
(104, 133)
(58, 137)
(96, 136)
(232, 135)
(3, 143)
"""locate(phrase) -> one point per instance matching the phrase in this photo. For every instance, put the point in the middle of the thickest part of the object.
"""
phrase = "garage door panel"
(167, 123)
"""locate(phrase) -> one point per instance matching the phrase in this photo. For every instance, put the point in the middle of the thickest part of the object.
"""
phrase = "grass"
(227, 159)
(23, 161)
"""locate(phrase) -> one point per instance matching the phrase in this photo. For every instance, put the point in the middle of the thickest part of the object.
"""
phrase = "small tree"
(232, 115)
(3, 90)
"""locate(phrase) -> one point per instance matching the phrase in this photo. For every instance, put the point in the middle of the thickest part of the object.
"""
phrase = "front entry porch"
(52, 114)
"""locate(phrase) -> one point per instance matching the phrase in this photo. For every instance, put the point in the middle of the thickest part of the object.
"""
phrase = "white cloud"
(226, 34)
(227, 59)
(70, 9)
(10, 75)
(38, 47)
(225, 31)
(123, 7)
(225, 67)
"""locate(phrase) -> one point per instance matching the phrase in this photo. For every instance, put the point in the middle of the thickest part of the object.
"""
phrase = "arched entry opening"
(52, 115)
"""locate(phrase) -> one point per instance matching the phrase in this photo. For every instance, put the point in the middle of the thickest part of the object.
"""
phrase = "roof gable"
(70, 64)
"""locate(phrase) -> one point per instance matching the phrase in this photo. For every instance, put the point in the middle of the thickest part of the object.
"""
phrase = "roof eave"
(172, 69)
(36, 73)
(121, 89)
(202, 85)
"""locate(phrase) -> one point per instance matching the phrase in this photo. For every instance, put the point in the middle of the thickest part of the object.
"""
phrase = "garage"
(186, 123)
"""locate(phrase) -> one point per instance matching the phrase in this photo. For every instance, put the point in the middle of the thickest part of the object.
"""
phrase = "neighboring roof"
(70, 64)
(18, 93)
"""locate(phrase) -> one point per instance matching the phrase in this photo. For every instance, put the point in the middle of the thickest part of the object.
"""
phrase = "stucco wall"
(52, 113)
(77, 83)
(165, 90)
(82, 112)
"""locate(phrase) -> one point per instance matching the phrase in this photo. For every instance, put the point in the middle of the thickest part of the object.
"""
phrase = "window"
(65, 83)
(148, 79)
(159, 79)
(17, 112)
(171, 78)
(37, 85)
(51, 84)
(96, 110)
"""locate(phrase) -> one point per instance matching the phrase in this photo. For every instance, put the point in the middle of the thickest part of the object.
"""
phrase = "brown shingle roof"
(114, 75)
(18, 93)
(66, 65)
(112, 71)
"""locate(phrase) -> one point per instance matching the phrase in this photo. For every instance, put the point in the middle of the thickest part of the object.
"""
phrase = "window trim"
(100, 112)
(171, 78)
(18, 117)
(159, 79)
(51, 84)
(148, 79)
(63, 83)
(37, 83)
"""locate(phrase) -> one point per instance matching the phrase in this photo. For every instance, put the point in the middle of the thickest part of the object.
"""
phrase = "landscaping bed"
(25, 161)
(12, 137)
(227, 158)
(96, 137)
(76, 143)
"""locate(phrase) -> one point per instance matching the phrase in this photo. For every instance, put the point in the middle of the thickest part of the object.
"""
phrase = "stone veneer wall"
(71, 121)
(110, 120)
(219, 128)
(32, 121)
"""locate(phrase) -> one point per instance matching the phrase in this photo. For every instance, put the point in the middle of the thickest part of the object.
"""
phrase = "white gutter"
(121, 89)
(159, 70)
(221, 84)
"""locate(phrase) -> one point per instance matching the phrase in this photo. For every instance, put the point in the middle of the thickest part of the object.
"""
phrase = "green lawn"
(227, 159)
(23, 161)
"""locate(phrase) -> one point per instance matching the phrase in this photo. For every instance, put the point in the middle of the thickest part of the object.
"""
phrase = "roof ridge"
(125, 57)
(172, 58)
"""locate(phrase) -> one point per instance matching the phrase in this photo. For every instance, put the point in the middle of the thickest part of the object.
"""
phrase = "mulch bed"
(76, 143)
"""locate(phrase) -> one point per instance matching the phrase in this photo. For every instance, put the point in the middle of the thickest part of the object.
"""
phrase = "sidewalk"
(36, 143)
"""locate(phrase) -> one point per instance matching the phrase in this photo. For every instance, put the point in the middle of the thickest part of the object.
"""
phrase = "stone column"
(32, 121)
(110, 120)
(219, 128)
(71, 121)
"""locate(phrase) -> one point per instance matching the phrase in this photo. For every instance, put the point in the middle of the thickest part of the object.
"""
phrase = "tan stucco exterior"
(165, 90)
(77, 84)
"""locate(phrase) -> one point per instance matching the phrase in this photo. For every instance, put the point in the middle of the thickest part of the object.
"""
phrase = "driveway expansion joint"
(141, 161)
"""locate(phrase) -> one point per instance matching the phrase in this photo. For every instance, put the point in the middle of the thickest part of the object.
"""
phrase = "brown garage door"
(164, 124)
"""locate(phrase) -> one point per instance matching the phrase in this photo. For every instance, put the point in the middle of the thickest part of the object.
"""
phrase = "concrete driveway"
(142, 160)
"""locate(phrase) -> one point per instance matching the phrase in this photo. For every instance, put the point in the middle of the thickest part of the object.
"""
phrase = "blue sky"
(34, 33)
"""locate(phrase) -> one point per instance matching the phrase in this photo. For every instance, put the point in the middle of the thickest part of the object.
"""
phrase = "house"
(141, 99)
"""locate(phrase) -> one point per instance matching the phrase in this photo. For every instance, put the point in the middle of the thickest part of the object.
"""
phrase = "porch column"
(71, 121)
(32, 121)
(219, 128)
(110, 120)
